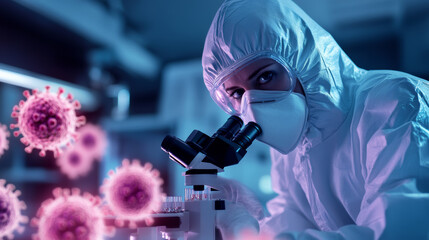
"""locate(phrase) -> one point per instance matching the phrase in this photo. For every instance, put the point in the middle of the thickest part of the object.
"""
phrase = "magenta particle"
(70, 216)
(46, 120)
(10, 211)
(92, 140)
(133, 192)
(74, 163)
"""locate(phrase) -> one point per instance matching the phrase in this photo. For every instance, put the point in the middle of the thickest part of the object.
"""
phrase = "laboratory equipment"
(203, 157)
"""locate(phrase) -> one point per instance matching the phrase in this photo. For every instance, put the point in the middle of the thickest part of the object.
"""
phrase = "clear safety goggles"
(244, 67)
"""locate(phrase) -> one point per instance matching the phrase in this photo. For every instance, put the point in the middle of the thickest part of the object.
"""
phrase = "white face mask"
(282, 116)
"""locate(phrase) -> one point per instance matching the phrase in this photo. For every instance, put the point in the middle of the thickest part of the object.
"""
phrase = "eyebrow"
(251, 75)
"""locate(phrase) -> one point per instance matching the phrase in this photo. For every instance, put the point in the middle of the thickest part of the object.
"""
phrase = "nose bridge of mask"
(260, 96)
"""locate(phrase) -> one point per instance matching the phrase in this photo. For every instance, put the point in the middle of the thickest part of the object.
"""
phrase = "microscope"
(203, 157)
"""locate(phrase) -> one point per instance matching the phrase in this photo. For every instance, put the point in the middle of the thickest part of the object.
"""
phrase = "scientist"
(350, 147)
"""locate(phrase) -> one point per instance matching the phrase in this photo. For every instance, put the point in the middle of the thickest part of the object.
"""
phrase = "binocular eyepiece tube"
(246, 136)
(178, 150)
(226, 147)
(231, 127)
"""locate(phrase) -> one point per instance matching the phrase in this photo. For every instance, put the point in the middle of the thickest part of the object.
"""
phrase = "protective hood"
(244, 29)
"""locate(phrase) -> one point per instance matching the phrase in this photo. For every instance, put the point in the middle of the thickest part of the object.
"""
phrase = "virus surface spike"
(26, 93)
(119, 222)
(76, 104)
(34, 222)
(132, 225)
(46, 120)
(41, 153)
(75, 191)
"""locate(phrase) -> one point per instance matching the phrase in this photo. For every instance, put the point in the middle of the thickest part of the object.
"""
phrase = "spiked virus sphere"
(46, 120)
(133, 192)
(4, 143)
(70, 216)
(92, 140)
(10, 211)
(74, 162)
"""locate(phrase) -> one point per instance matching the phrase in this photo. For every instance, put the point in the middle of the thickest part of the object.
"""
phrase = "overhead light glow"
(21, 78)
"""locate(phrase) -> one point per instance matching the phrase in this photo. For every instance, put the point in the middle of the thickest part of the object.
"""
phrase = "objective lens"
(231, 127)
(246, 136)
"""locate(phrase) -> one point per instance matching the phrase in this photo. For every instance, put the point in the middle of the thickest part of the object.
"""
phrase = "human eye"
(265, 77)
(236, 94)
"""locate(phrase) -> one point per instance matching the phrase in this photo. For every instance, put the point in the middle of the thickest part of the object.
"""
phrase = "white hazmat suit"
(361, 169)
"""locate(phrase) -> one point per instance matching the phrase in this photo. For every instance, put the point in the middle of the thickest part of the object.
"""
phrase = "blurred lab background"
(135, 66)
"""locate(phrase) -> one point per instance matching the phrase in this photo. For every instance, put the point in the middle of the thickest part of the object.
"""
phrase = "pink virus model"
(92, 140)
(70, 216)
(133, 192)
(4, 143)
(46, 120)
(74, 162)
(10, 211)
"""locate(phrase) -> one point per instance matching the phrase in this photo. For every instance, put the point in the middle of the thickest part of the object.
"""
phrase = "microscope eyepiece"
(178, 150)
(246, 136)
(231, 127)
(225, 148)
